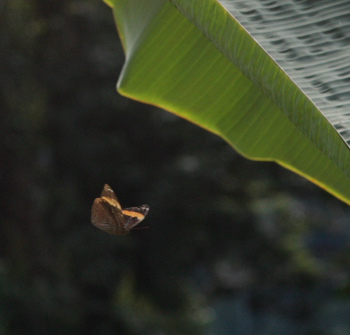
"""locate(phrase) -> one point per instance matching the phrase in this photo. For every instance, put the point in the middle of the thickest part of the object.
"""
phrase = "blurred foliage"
(226, 237)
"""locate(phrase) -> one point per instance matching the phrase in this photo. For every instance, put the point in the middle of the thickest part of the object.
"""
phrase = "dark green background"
(233, 246)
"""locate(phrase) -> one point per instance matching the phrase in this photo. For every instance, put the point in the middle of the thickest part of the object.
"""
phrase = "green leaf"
(195, 59)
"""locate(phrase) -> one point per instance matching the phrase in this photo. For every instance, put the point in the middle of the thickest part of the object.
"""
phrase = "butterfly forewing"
(108, 215)
(134, 215)
(109, 194)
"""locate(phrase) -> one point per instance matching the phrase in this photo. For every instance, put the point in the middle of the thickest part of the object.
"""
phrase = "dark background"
(233, 246)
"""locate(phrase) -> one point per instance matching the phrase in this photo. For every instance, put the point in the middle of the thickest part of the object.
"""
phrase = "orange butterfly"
(108, 215)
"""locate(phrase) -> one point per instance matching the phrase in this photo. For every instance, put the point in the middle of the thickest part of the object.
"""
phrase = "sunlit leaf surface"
(195, 59)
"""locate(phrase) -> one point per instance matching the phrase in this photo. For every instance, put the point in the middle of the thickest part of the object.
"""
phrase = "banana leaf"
(269, 78)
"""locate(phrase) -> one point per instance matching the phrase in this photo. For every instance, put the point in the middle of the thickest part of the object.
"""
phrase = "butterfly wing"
(106, 213)
(109, 193)
(134, 215)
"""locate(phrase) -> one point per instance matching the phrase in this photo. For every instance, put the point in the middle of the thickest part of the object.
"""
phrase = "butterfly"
(108, 215)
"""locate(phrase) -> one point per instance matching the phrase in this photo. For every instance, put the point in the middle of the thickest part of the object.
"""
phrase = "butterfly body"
(108, 215)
